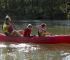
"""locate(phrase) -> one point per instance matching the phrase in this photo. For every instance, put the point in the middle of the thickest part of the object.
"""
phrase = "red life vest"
(27, 32)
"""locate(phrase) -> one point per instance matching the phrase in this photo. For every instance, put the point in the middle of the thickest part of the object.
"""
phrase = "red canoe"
(54, 39)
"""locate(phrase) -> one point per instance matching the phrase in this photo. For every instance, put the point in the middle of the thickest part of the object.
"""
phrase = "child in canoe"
(8, 28)
(27, 31)
(42, 30)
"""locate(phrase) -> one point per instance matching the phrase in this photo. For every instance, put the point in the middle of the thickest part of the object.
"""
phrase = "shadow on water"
(34, 51)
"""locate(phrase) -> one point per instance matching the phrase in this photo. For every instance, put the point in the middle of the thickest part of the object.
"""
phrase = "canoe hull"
(54, 39)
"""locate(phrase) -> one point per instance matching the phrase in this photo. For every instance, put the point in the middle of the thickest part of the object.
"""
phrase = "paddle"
(46, 33)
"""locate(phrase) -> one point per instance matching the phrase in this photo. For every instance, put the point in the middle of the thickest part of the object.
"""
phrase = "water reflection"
(34, 52)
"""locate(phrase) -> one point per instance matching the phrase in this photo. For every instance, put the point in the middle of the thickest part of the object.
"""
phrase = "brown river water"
(28, 51)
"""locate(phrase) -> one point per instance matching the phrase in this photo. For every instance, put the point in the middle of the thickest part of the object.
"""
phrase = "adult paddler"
(8, 28)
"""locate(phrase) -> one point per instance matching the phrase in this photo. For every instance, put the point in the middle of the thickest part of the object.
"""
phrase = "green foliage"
(35, 9)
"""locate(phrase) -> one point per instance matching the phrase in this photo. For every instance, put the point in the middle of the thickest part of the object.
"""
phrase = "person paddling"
(42, 30)
(8, 28)
(26, 32)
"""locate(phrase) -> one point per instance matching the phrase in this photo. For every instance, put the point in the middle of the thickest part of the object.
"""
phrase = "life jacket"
(7, 28)
(4, 28)
(27, 32)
